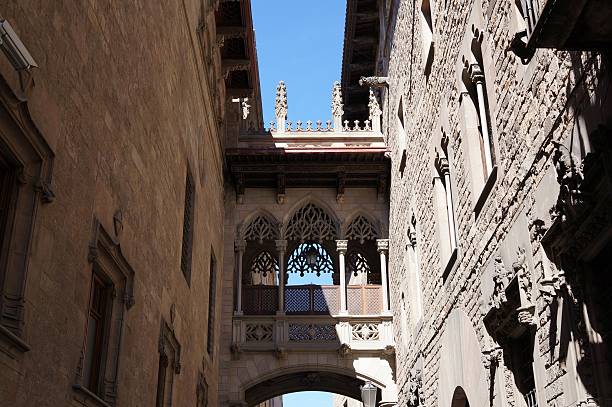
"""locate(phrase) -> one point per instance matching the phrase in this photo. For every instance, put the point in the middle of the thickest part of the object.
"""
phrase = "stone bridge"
(306, 260)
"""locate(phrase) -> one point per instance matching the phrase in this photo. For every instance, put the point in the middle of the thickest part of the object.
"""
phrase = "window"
(477, 125)
(168, 366)
(212, 291)
(443, 193)
(187, 245)
(97, 328)
(110, 295)
(522, 367)
(414, 273)
(427, 29)
(25, 176)
(402, 136)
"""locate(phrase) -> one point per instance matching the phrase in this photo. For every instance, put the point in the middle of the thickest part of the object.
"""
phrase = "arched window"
(311, 223)
(310, 258)
(357, 263)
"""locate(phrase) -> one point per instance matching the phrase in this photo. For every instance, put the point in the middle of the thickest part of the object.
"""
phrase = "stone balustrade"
(344, 333)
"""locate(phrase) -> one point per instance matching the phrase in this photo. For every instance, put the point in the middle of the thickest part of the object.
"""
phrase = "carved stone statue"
(569, 177)
(500, 282)
(521, 270)
(415, 389)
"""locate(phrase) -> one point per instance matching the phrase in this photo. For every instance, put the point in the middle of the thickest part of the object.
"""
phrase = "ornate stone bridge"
(307, 260)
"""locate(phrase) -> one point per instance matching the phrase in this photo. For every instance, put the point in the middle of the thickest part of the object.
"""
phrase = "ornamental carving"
(312, 332)
(261, 229)
(281, 101)
(500, 282)
(310, 258)
(415, 388)
(365, 332)
(522, 271)
(374, 106)
(361, 229)
(570, 178)
(357, 263)
(259, 332)
(265, 264)
(311, 223)
(337, 105)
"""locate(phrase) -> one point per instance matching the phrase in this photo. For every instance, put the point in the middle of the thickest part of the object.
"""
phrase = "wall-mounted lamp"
(13, 48)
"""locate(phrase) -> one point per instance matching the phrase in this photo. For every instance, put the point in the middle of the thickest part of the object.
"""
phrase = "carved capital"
(281, 245)
(341, 246)
(476, 74)
(240, 245)
(442, 166)
(382, 245)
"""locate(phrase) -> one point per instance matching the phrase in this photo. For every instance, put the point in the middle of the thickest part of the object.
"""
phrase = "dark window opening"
(522, 367)
(96, 334)
(187, 246)
(212, 291)
(7, 195)
(161, 380)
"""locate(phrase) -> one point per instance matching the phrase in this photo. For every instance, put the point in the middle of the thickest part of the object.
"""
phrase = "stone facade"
(549, 118)
(124, 98)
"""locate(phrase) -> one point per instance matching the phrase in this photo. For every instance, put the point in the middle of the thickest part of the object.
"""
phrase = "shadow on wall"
(579, 239)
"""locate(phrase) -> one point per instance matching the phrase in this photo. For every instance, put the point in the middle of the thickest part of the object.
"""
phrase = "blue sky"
(300, 42)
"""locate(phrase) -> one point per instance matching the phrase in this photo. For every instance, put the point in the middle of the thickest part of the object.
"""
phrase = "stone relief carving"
(500, 282)
(415, 388)
(570, 178)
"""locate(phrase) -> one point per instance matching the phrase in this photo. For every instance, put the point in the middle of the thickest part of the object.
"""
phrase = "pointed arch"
(259, 226)
(311, 219)
(361, 226)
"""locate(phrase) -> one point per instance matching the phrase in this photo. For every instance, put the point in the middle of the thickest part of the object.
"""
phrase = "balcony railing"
(312, 300)
(568, 24)
(531, 398)
(274, 332)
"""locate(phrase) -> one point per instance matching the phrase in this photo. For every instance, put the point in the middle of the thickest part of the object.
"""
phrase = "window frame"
(110, 266)
(30, 158)
(188, 227)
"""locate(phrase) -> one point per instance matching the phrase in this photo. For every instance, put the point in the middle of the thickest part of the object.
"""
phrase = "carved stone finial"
(246, 108)
(118, 222)
(281, 101)
(337, 104)
(373, 105)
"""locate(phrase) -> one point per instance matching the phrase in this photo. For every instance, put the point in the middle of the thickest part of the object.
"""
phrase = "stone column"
(383, 248)
(281, 247)
(239, 246)
(445, 172)
(341, 246)
(477, 77)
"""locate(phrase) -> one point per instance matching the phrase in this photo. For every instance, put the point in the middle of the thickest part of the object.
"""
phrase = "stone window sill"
(486, 191)
(13, 341)
(89, 398)
(450, 265)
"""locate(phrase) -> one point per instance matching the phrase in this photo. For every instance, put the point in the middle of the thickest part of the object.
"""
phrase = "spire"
(281, 106)
(337, 106)
(375, 112)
